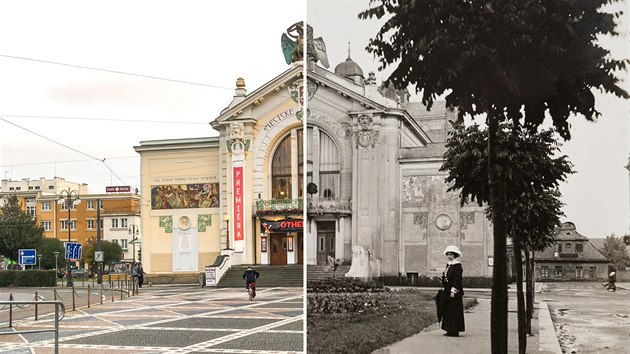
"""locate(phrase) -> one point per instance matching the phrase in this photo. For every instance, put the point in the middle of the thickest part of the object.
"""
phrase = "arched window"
(286, 179)
(327, 167)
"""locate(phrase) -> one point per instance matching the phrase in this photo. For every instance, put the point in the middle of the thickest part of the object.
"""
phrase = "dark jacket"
(453, 307)
(250, 275)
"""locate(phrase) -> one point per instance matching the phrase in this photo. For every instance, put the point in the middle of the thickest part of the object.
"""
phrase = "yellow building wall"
(173, 168)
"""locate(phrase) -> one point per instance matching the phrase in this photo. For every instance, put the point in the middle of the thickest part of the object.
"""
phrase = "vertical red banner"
(238, 203)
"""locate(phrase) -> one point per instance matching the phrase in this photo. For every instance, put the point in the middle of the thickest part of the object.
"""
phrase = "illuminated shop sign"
(283, 226)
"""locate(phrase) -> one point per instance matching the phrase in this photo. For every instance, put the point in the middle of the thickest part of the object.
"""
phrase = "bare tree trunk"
(498, 307)
(520, 299)
(530, 291)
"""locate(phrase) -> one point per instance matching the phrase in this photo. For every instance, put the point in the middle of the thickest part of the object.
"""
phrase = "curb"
(548, 340)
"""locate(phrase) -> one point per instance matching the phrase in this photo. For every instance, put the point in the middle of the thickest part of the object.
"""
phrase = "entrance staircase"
(270, 276)
(316, 272)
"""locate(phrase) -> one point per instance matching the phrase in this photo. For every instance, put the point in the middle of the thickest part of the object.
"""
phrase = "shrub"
(25, 278)
(344, 285)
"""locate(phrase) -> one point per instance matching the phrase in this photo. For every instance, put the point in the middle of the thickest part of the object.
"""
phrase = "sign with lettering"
(284, 226)
(118, 189)
(238, 203)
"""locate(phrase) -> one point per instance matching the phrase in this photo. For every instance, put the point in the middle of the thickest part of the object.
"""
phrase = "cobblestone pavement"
(170, 319)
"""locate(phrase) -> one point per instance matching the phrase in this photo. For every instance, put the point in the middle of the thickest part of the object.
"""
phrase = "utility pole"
(99, 264)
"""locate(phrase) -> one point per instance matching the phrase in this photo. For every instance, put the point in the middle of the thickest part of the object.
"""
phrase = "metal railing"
(60, 311)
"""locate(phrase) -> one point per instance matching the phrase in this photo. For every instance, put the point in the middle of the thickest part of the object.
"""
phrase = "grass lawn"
(390, 317)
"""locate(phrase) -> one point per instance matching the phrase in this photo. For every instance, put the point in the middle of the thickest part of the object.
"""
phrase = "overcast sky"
(597, 196)
(205, 44)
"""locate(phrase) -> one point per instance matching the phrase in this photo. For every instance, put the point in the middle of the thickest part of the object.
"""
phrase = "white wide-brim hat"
(454, 249)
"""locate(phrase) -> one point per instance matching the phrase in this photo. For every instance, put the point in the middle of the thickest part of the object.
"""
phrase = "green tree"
(615, 250)
(47, 250)
(112, 253)
(18, 230)
(508, 60)
(532, 197)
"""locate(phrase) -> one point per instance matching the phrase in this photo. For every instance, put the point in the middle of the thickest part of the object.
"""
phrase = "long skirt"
(453, 314)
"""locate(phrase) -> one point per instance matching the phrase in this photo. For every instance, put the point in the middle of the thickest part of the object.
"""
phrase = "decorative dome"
(349, 68)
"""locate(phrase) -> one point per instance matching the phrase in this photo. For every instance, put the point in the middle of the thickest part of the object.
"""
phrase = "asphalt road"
(163, 319)
(587, 317)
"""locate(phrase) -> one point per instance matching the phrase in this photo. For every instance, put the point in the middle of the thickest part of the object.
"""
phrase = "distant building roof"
(567, 232)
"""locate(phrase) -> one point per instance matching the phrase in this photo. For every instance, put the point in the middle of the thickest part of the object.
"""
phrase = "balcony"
(279, 207)
(337, 206)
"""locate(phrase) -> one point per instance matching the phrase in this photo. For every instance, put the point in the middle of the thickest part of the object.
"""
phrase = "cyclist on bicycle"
(250, 275)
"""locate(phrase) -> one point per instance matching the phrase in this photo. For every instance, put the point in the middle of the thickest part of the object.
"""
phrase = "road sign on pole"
(98, 256)
(27, 257)
(73, 250)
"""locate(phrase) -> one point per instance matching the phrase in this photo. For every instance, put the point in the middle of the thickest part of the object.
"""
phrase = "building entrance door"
(278, 249)
(300, 248)
(325, 241)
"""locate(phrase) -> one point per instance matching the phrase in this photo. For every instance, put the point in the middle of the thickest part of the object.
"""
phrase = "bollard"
(55, 294)
(112, 291)
(73, 307)
(88, 296)
(101, 294)
(11, 311)
(36, 307)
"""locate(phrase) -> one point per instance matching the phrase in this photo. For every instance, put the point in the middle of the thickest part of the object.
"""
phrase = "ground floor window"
(558, 271)
(579, 273)
(592, 271)
(544, 272)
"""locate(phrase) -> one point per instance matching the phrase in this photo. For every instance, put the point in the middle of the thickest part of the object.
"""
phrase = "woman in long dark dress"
(453, 311)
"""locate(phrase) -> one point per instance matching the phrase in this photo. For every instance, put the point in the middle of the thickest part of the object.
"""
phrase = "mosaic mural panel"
(185, 196)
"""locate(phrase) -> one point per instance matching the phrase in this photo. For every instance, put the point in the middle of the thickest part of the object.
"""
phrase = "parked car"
(80, 273)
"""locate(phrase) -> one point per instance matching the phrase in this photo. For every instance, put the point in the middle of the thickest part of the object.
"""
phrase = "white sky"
(206, 42)
(597, 196)
(210, 43)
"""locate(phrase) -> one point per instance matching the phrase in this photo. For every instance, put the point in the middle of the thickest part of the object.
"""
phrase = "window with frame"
(114, 223)
(284, 175)
(90, 204)
(559, 247)
(123, 243)
(51, 187)
(592, 271)
(31, 210)
(115, 241)
(46, 225)
(579, 248)
(328, 167)
(90, 224)
(64, 224)
(73, 224)
(544, 272)
(579, 272)
(558, 271)
(45, 206)
(123, 222)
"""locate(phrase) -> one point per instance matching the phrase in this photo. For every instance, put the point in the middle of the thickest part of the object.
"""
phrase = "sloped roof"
(567, 232)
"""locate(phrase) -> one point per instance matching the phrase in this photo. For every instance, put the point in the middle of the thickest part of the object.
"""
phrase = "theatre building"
(379, 203)
(238, 193)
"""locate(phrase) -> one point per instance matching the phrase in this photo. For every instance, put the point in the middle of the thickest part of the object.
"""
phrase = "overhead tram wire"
(116, 72)
(100, 119)
(66, 146)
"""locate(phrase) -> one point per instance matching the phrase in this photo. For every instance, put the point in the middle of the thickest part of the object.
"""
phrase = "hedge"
(27, 278)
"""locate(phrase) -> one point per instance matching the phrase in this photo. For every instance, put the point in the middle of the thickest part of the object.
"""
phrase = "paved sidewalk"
(476, 338)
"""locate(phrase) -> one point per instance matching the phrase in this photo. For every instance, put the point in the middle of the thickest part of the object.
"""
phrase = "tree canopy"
(112, 252)
(527, 161)
(18, 229)
(47, 250)
(508, 59)
(615, 250)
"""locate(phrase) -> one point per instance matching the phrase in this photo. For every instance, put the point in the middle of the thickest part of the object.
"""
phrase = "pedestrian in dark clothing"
(250, 275)
(140, 272)
(452, 303)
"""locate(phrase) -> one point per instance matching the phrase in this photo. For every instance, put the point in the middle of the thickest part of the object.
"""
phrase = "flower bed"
(344, 285)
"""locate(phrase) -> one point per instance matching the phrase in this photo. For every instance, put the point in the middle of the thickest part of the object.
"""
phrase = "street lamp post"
(56, 269)
(70, 198)
(134, 231)
(39, 261)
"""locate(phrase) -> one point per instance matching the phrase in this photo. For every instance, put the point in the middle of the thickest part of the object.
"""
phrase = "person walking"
(140, 272)
(453, 304)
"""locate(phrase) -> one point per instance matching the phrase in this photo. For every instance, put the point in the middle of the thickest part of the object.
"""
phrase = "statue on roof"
(316, 48)
(292, 43)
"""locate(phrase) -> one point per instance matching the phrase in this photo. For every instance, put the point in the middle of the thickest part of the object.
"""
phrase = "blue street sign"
(27, 257)
(73, 250)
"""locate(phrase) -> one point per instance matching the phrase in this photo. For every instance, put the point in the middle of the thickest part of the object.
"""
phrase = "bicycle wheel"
(250, 293)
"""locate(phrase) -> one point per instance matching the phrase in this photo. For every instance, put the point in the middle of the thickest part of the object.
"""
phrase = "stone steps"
(270, 276)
